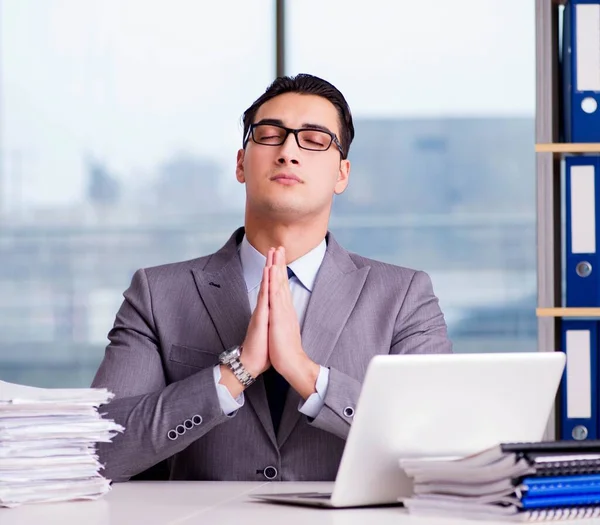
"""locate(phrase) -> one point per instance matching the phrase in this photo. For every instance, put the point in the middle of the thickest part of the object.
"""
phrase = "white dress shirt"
(301, 284)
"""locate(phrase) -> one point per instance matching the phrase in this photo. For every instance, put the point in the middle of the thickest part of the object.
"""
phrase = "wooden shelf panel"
(568, 148)
(567, 312)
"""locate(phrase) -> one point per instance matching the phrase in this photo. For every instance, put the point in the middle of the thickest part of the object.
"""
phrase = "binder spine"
(566, 134)
(581, 71)
(579, 383)
(582, 193)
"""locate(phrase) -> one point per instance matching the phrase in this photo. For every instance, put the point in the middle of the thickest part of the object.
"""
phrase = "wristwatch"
(231, 358)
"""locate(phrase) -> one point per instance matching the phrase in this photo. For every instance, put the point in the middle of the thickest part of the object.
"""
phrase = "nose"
(289, 151)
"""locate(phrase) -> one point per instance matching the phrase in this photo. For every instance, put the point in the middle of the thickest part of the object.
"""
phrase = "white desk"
(209, 503)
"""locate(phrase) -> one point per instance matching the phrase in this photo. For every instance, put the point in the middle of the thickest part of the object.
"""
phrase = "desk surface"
(205, 502)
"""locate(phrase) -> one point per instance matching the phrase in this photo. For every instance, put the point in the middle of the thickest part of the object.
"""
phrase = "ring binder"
(579, 389)
(582, 192)
(581, 66)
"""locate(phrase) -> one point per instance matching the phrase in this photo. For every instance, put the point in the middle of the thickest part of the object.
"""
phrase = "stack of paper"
(515, 481)
(47, 444)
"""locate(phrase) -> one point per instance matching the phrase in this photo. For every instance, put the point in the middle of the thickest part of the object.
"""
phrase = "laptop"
(435, 405)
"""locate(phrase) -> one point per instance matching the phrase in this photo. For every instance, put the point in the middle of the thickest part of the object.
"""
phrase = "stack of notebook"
(47, 444)
(516, 481)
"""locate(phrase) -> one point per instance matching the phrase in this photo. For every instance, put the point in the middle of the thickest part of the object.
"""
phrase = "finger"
(276, 256)
(262, 303)
(270, 256)
(275, 263)
(282, 255)
(282, 252)
(273, 278)
(277, 282)
(282, 266)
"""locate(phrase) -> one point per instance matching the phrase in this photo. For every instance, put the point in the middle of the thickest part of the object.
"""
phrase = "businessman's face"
(286, 180)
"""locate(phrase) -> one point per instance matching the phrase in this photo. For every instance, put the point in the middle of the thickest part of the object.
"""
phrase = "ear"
(239, 167)
(343, 175)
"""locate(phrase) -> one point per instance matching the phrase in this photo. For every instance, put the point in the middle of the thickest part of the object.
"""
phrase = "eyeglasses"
(307, 138)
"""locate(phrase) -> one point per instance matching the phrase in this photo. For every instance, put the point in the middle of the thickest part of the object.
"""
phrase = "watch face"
(230, 355)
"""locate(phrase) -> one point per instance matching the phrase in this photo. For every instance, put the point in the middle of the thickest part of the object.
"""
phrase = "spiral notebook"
(496, 512)
(542, 481)
(544, 458)
(559, 458)
(561, 486)
(567, 467)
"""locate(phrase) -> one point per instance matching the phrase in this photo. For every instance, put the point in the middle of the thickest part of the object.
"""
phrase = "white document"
(505, 468)
(34, 409)
(16, 394)
(41, 444)
(53, 491)
(49, 461)
(46, 452)
(48, 443)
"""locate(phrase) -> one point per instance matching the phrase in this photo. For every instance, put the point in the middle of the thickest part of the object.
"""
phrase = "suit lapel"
(223, 291)
(336, 290)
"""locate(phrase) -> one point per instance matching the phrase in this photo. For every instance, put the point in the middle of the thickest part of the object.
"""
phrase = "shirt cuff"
(228, 404)
(313, 405)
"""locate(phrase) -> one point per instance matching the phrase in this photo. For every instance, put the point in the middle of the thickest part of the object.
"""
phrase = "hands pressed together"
(273, 337)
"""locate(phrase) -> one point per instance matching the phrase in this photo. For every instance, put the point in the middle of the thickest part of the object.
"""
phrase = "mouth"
(286, 178)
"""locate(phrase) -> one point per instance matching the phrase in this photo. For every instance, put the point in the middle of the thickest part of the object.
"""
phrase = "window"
(107, 108)
(119, 124)
(443, 169)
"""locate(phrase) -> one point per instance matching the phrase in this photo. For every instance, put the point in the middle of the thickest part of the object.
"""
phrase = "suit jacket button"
(172, 435)
(180, 429)
(270, 472)
(188, 424)
(349, 412)
(197, 420)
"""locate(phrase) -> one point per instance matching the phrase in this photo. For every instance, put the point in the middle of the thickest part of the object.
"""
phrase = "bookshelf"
(548, 152)
(561, 311)
(558, 147)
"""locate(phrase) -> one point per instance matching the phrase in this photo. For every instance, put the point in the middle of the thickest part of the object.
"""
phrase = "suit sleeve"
(150, 411)
(420, 328)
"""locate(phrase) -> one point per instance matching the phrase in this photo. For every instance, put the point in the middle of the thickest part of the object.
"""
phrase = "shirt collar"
(305, 267)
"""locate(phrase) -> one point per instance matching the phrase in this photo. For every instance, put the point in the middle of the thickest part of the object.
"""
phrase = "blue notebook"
(561, 486)
(546, 502)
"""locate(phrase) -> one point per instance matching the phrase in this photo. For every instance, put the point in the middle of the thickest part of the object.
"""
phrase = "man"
(247, 364)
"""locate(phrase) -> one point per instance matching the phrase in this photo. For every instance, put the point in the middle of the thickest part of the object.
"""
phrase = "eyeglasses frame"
(295, 132)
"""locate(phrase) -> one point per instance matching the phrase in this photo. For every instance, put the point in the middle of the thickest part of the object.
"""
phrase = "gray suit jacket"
(177, 318)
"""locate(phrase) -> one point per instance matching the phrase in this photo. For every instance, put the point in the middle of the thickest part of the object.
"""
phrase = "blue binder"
(582, 225)
(581, 70)
(579, 407)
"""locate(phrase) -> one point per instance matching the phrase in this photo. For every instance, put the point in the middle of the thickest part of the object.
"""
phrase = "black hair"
(307, 85)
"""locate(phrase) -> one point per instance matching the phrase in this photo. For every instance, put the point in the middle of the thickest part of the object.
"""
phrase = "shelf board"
(557, 147)
(567, 312)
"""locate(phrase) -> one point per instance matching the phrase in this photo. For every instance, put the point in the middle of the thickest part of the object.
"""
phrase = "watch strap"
(241, 373)
(231, 358)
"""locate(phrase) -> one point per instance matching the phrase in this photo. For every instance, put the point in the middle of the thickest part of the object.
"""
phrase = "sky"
(132, 82)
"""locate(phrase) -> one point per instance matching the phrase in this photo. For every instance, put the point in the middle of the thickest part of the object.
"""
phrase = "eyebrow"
(305, 125)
